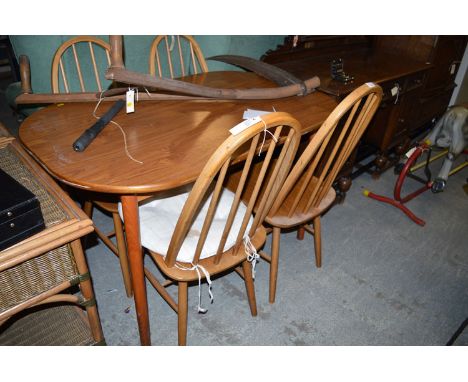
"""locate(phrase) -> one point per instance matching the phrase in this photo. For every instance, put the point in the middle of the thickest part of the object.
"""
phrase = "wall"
(41, 49)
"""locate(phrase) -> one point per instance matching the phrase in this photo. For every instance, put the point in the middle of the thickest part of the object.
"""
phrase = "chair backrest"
(76, 57)
(240, 149)
(176, 56)
(319, 164)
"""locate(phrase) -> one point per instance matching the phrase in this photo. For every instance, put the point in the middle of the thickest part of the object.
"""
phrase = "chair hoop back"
(76, 48)
(319, 164)
(181, 54)
(240, 149)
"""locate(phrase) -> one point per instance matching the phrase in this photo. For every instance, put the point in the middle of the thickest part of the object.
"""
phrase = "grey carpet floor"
(384, 281)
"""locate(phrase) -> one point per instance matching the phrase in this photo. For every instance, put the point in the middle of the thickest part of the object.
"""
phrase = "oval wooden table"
(172, 139)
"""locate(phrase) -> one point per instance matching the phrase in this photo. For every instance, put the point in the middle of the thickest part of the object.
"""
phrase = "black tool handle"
(87, 137)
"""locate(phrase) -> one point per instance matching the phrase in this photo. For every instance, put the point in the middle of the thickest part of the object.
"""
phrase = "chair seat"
(232, 258)
(282, 220)
(158, 219)
(107, 206)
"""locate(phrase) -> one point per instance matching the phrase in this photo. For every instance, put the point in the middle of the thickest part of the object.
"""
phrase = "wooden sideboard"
(416, 73)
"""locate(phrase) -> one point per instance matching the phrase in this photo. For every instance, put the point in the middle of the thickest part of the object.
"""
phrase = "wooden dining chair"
(71, 65)
(176, 56)
(199, 234)
(74, 59)
(307, 192)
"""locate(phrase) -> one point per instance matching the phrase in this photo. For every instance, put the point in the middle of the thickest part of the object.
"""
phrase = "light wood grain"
(164, 135)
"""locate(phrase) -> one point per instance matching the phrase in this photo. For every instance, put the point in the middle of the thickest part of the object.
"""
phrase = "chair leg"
(317, 242)
(182, 314)
(88, 208)
(87, 291)
(249, 286)
(122, 250)
(275, 244)
(300, 233)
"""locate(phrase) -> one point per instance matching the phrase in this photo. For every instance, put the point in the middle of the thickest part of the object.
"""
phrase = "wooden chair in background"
(176, 56)
(212, 223)
(91, 54)
(308, 192)
(77, 48)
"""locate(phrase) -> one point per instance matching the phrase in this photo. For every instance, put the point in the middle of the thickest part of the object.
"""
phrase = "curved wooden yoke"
(245, 145)
(117, 72)
(59, 67)
(177, 55)
(318, 166)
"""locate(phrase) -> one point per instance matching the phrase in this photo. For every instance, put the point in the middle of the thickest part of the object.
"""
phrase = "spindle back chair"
(201, 212)
(88, 54)
(307, 192)
(176, 56)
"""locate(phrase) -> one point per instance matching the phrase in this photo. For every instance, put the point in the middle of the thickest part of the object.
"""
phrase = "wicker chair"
(35, 274)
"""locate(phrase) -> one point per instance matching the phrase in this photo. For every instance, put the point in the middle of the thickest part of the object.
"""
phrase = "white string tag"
(130, 95)
(265, 131)
(251, 252)
(197, 268)
(121, 130)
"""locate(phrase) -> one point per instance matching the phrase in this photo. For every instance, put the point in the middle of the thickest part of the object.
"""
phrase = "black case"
(20, 212)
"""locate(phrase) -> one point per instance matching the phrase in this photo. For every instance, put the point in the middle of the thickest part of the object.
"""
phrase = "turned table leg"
(135, 259)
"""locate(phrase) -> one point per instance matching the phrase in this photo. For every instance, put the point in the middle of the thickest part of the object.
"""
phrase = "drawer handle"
(9, 213)
(12, 225)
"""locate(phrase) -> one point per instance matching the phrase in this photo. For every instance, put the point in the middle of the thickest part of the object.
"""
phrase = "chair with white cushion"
(209, 230)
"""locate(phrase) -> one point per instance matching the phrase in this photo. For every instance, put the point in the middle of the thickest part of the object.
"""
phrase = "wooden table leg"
(135, 258)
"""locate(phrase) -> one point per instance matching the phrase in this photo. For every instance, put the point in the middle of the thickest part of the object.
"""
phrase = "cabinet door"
(446, 58)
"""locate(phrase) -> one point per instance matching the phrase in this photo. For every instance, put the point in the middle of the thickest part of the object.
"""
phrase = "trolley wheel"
(438, 185)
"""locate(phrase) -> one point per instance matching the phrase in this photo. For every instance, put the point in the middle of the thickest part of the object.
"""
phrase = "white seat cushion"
(158, 219)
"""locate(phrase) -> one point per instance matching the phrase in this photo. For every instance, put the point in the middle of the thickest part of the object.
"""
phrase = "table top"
(173, 139)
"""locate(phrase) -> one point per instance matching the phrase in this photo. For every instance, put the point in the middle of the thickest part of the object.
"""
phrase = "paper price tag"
(452, 68)
(394, 91)
(252, 113)
(410, 152)
(240, 127)
(130, 101)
